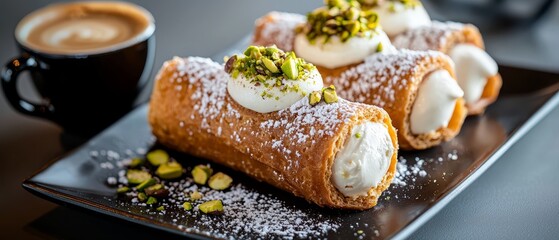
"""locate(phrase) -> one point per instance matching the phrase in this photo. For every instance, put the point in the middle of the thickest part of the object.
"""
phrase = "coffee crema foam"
(82, 28)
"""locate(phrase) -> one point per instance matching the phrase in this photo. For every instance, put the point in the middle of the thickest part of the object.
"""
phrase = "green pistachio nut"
(145, 184)
(142, 197)
(136, 162)
(211, 207)
(170, 170)
(121, 190)
(187, 206)
(196, 196)
(330, 95)
(220, 181)
(137, 176)
(315, 97)
(270, 65)
(290, 68)
(249, 51)
(352, 14)
(157, 157)
(201, 174)
(379, 47)
(353, 27)
(151, 201)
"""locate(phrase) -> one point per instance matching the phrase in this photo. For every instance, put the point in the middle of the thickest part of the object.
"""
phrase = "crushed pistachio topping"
(342, 18)
(270, 67)
(328, 94)
(358, 135)
(260, 64)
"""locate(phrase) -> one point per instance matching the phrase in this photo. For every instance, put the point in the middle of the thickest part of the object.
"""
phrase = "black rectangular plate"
(526, 97)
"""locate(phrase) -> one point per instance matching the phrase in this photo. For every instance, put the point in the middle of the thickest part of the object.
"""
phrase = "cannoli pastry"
(410, 27)
(266, 113)
(476, 72)
(417, 89)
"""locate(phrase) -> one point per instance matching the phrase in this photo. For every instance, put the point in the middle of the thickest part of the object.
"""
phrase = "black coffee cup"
(83, 91)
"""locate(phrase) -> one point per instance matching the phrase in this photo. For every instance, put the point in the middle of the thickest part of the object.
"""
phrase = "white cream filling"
(473, 67)
(364, 160)
(396, 18)
(336, 53)
(259, 98)
(434, 102)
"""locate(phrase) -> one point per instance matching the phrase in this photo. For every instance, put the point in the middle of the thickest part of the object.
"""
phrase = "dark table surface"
(517, 198)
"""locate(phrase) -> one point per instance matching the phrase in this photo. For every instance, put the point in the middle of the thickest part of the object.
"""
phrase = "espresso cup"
(88, 60)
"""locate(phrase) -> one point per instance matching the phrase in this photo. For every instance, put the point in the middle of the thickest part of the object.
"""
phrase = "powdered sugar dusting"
(431, 37)
(381, 77)
(209, 98)
(278, 28)
(301, 121)
(249, 214)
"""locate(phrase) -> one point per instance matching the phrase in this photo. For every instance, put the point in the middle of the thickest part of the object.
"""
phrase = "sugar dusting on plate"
(250, 213)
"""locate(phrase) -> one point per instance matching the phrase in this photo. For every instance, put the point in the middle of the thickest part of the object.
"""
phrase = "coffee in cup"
(88, 60)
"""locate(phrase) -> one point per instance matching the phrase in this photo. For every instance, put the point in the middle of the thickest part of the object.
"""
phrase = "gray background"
(517, 198)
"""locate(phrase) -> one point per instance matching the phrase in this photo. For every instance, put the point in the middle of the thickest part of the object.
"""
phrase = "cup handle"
(10, 75)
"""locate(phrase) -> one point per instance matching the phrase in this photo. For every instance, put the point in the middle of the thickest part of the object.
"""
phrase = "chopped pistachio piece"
(290, 69)
(196, 196)
(170, 170)
(330, 95)
(220, 181)
(151, 200)
(251, 50)
(122, 190)
(201, 174)
(152, 189)
(270, 65)
(187, 206)
(315, 97)
(137, 176)
(358, 135)
(157, 157)
(379, 47)
(145, 184)
(160, 208)
(136, 162)
(142, 197)
(211, 207)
